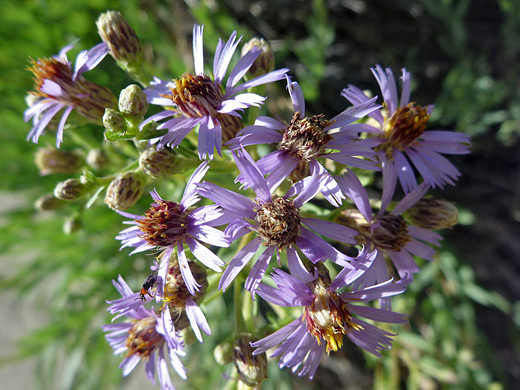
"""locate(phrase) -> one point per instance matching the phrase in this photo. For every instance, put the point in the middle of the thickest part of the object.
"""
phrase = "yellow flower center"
(328, 317)
(196, 96)
(404, 127)
(164, 224)
(143, 338)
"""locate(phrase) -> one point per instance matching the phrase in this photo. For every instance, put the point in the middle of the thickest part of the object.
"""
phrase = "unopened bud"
(114, 121)
(301, 171)
(391, 232)
(231, 125)
(433, 214)
(179, 318)
(352, 218)
(125, 190)
(159, 163)
(264, 62)
(176, 292)
(70, 189)
(132, 102)
(122, 41)
(50, 160)
(252, 369)
(48, 202)
(72, 224)
(97, 159)
(223, 353)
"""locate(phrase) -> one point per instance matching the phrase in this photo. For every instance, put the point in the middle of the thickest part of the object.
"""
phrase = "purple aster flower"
(173, 294)
(59, 87)
(403, 139)
(306, 139)
(327, 316)
(277, 223)
(144, 336)
(387, 232)
(169, 225)
(198, 99)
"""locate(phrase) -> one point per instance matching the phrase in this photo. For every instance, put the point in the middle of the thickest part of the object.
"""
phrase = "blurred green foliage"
(73, 273)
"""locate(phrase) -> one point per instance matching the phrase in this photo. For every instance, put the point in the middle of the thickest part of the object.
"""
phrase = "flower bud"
(176, 292)
(97, 159)
(70, 189)
(223, 353)
(252, 369)
(48, 202)
(179, 318)
(159, 163)
(125, 190)
(132, 102)
(433, 214)
(72, 224)
(50, 160)
(114, 121)
(264, 62)
(122, 41)
(231, 125)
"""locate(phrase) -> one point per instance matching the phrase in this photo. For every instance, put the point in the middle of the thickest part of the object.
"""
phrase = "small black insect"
(148, 283)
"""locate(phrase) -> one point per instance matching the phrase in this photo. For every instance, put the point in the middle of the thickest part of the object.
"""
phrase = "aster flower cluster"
(247, 219)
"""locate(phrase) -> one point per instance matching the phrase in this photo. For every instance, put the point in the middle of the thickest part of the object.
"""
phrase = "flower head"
(143, 337)
(277, 223)
(58, 87)
(168, 225)
(387, 231)
(402, 137)
(198, 99)
(303, 142)
(327, 316)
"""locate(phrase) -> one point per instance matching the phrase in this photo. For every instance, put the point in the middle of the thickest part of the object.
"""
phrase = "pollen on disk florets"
(164, 224)
(328, 317)
(196, 96)
(278, 222)
(405, 126)
(89, 99)
(305, 138)
(142, 338)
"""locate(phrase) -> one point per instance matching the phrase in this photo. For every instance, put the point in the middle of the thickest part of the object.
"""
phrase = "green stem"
(82, 140)
(240, 324)
(223, 166)
(103, 181)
